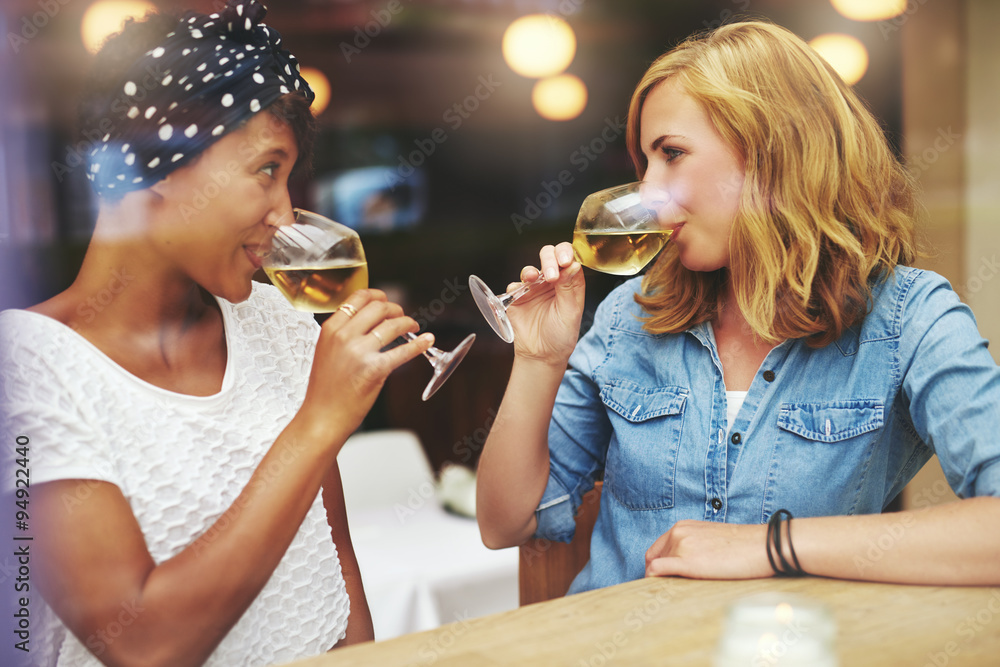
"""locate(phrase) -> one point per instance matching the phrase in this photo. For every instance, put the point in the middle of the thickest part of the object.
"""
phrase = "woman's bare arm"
(359, 625)
(953, 544)
(514, 465)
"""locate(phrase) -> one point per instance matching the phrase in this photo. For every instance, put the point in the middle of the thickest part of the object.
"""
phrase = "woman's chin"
(233, 293)
(699, 264)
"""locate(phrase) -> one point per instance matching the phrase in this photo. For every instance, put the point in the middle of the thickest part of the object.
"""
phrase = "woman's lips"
(252, 254)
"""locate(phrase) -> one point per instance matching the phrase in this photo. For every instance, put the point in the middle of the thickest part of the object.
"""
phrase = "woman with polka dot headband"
(182, 421)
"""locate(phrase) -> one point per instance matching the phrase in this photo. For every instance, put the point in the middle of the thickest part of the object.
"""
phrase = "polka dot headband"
(210, 75)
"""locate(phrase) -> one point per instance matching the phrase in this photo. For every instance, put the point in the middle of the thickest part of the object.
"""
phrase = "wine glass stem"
(508, 298)
(432, 353)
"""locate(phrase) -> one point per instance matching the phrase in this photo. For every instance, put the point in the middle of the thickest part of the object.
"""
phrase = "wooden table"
(679, 621)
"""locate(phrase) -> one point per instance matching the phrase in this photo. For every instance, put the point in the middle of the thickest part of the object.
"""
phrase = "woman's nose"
(655, 174)
(657, 198)
(281, 213)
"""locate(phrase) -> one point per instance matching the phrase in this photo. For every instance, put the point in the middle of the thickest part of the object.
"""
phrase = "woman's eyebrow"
(659, 140)
(277, 152)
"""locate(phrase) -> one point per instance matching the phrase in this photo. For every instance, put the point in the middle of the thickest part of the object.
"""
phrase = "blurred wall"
(951, 70)
(982, 168)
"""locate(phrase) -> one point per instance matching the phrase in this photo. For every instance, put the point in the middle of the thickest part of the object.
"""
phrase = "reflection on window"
(372, 199)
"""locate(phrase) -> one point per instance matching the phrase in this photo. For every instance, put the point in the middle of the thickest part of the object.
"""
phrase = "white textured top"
(179, 460)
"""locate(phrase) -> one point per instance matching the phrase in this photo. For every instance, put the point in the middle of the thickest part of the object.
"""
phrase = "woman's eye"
(269, 169)
(671, 153)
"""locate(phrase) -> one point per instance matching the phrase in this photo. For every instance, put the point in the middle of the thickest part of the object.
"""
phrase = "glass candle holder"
(777, 630)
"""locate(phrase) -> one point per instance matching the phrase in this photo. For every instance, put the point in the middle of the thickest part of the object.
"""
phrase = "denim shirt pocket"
(642, 454)
(822, 454)
(832, 422)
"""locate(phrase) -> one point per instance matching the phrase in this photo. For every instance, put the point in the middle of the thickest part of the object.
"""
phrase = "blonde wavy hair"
(826, 208)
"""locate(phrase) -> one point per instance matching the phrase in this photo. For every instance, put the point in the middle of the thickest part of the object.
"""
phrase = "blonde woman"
(780, 360)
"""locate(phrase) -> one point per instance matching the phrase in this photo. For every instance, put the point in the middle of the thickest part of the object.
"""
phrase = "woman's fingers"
(401, 354)
(549, 263)
(658, 548)
(663, 567)
(564, 254)
(390, 328)
(358, 321)
(353, 305)
(529, 274)
(554, 261)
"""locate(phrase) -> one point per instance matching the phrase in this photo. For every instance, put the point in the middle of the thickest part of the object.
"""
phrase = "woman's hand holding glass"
(319, 264)
(349, 367)
(547, 318)
(618, 231)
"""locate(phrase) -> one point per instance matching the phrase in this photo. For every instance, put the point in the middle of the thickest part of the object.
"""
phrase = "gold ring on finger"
(348, 309)
(380, 341)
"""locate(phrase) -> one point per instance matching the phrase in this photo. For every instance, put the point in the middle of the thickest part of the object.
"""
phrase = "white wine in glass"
(319, 289)
(618, 231)
(317, 264)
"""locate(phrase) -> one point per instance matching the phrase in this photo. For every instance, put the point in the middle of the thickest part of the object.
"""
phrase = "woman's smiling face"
(216, 216)
(687, 157)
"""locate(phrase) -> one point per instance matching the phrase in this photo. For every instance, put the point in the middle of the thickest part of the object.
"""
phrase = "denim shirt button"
(769, 376)
(716, 504)
(736, 438)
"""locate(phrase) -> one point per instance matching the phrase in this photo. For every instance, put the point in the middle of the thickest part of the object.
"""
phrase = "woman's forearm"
(514, 465)
(953, 544)
(186, 605)
(359, 624)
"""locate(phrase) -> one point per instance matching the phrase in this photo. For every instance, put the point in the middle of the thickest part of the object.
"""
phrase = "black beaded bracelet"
(775, 554)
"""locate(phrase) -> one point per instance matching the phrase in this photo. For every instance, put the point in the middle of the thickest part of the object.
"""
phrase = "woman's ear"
(164, 187)
(177, 183)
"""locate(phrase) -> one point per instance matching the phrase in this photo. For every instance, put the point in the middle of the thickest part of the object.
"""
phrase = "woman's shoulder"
(29, 330)
(906, 302)
(620, 311)
(622, 297)
(41, 353)
(909, 292)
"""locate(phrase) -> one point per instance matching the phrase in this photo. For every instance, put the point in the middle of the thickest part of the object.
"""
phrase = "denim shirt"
(831, 431)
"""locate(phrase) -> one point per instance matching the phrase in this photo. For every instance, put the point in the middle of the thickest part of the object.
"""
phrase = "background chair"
(421, 566)
(546, 568)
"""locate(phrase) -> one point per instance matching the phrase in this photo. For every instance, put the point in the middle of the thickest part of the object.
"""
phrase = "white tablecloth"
(421, 566)
(428, 569)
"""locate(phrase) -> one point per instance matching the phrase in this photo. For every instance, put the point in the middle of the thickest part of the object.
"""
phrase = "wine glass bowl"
(618, 231)
(317, 264)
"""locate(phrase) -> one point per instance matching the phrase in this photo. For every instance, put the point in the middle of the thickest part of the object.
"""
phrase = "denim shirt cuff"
(987, 482)
(554, 514)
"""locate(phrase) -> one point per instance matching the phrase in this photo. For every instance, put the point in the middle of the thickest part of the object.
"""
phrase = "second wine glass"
(317, 264)
(618, 230)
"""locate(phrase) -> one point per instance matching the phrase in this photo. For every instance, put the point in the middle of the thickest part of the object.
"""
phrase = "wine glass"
(618, 230)
(317, 263)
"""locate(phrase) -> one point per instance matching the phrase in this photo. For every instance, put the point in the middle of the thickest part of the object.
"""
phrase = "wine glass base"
(446, 364)
(492, 309)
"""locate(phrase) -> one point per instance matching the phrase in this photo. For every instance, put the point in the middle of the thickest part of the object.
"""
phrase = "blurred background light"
(320, 85)
(869, 10)
(539, 45)
(106, 17)
(845, 54)
(562, 97)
